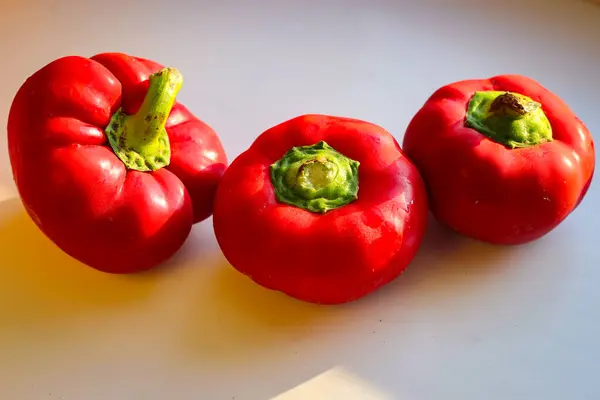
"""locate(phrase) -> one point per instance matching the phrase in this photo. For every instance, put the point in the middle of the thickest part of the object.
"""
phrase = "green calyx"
(315, 178)
(141, 140)
(511, 119)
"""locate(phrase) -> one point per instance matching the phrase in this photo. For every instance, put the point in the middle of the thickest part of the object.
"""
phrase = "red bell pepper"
(324, 209)
(504, 160)
(109, 166)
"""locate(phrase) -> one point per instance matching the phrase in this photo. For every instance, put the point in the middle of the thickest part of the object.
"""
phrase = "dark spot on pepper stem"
(303, 167)
(305, 164)
(508, 103)
(114, 125)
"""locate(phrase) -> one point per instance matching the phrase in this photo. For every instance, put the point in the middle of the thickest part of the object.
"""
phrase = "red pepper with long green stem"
(108, 164)
(504, 159)
(324, 209)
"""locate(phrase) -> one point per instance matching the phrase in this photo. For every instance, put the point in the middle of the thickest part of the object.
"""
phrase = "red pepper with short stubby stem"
(324, 209)
(504, 159)
(109, 166)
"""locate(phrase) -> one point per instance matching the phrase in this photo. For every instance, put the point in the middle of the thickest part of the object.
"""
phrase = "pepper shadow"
(43, 286)
(444, 250)
(234, 318)
(449, 265)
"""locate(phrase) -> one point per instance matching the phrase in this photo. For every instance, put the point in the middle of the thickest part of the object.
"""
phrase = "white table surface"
(467, 321)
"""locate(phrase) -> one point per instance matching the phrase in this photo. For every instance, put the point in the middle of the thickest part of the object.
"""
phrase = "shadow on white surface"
(40, 283)
(231, 318)
(450, 272)
(446, 259)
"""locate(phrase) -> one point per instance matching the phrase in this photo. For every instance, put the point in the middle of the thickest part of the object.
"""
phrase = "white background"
(467, 321)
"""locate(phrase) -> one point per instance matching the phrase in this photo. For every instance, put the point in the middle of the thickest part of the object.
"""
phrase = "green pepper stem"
(511, 119)
(316, 178)
(141, 140)
(154, 111)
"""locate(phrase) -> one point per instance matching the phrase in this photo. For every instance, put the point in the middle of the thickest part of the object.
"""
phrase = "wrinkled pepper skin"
(362, 238)
(512, 189)
(76, 189)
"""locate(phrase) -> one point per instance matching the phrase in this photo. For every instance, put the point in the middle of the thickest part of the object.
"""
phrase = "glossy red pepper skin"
(490, 192)
(76, 189)
(329, 258)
